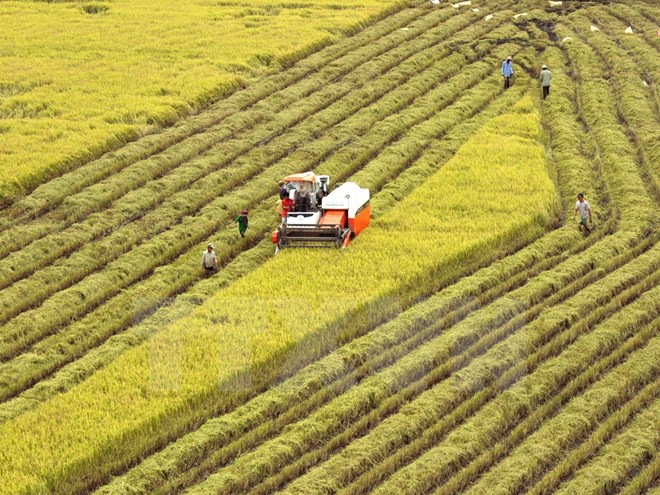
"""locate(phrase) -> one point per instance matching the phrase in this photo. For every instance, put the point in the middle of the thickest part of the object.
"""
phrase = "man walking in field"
(209, 260)
(507, 71)
(545, 77)
(582, 207)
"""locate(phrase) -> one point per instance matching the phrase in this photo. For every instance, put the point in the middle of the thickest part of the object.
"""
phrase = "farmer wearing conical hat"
(242, 221)
(545, 78)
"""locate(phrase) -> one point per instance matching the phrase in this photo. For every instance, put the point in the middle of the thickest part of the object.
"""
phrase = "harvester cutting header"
(314, 217)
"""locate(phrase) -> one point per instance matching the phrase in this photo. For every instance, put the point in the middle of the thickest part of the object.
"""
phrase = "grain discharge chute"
(315, 217)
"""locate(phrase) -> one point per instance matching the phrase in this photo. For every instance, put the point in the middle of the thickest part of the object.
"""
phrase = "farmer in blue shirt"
(507, 72)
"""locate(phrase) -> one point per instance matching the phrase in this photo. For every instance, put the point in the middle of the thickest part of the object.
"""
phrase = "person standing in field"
(583, 208)
(242, 221)
(507, 71)
(545, 77)
(209, 260)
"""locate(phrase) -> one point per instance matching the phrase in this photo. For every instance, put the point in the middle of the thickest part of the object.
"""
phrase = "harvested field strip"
(635, 340)
(644, 479)
(353, 460)
(619, 165)
(638, 49)
(525, 398)
(575, 420)
(644, 22)
(52, 193)
(531, 176)
(618, 453)
(404, 455)
(170, 281)
(577, 159)
(634, 109)
(303, 463)
(644, 55)
(197, 170)
(216, 213)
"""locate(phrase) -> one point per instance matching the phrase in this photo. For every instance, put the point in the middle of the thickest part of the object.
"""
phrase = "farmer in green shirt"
(545, 77)
(242, 221)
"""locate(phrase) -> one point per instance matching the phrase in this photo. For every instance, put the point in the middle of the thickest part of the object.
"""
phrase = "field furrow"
(483, 431)
(621, 446)
(471, 472)
(639, 50)
(619, 167)
(644, 478)
(644, 22)
(574, 422)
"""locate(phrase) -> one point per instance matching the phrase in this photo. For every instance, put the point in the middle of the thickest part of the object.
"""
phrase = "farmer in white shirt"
(585, 212)
(209, 260)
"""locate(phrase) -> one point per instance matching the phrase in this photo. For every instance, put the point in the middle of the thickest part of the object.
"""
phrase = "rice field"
(471, 340)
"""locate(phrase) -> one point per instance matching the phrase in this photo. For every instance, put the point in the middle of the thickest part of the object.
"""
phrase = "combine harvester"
(327, 219)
